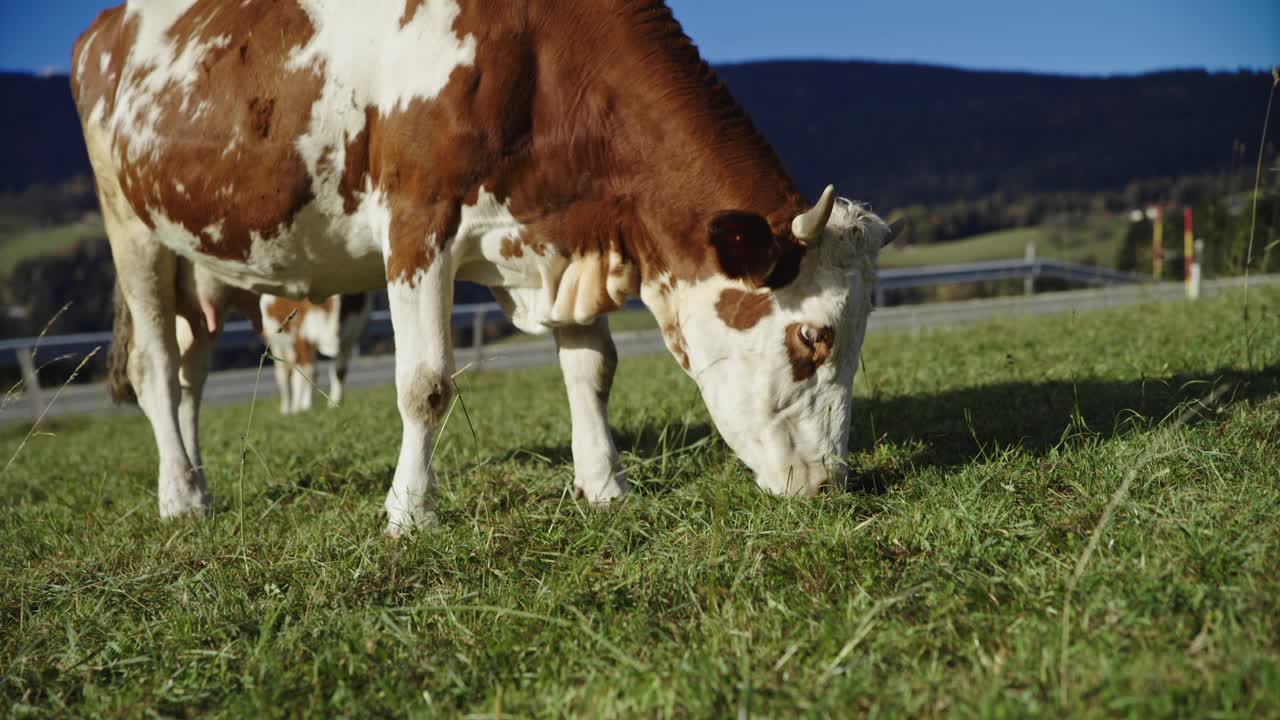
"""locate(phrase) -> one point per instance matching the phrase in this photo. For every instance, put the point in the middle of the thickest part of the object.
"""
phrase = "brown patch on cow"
(355, 170)
(510, 249)
(260, 111)
(742, 310)
(108, 33)
(608, 369)
(416, 237)
(675, 342)
(303, 354)
(807, 357)
(284, 310)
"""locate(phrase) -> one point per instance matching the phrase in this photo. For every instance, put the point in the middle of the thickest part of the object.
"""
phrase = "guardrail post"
(1029, 282)
(27, 362)
(477, 336)
(1195, 271)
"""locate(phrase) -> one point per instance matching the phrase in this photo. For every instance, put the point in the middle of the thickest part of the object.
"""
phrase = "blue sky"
(1078, 37)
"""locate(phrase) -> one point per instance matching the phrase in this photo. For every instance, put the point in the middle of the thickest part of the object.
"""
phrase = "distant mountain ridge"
(892, 134)
(900, 134)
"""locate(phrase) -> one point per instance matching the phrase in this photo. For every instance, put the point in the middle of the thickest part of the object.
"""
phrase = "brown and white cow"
(296, 330)
(567, 154)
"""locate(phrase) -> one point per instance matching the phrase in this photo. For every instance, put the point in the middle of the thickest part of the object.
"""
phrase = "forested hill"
(898, 134)
(891, 134)
(40, 139)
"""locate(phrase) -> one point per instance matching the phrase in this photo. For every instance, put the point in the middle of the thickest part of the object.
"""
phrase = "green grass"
(24, 243)
(1097, 243)
(934, 586)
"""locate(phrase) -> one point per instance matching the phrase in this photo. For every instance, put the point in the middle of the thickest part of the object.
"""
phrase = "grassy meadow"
(23, 243)
(1096, 242)
(947, 580)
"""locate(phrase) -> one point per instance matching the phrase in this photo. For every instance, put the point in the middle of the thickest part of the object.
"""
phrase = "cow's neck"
(665, 142)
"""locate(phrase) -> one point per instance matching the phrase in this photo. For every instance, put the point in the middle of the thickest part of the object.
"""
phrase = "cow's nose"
(800, 479)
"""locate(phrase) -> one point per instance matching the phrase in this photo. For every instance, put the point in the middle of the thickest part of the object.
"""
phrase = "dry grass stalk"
(35, 425)
(1253, 218)
(12, 393)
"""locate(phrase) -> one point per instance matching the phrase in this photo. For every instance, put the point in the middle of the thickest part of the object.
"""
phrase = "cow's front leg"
(420, 308)
(588, 360)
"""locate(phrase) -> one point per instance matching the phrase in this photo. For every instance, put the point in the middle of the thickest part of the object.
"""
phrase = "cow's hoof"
(188, 505)
(602, 493)
(183, 492)
(401, 523)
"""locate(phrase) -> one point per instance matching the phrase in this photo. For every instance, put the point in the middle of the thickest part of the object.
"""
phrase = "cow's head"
(772, 337)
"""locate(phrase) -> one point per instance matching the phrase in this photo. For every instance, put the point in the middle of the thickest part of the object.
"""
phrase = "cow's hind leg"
(147, 344)
(420, 313)
(588, 360)
(338, 376)
(197, 325)
(147, 275)
(351, 327)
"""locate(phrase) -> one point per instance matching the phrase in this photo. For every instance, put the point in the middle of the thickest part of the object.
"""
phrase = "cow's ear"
(745, 246)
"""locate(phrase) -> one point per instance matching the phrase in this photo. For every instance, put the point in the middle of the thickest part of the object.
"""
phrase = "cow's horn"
(895, 230)
(808, 227)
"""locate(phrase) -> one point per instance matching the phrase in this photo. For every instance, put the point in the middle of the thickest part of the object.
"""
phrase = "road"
(233, 386)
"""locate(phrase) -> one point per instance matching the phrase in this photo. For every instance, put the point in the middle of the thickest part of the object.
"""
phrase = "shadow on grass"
(955, 427)
(650, 444)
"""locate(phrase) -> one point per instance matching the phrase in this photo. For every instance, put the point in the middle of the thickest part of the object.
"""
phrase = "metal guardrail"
(994, 270)
(233, 333)
(231, 385)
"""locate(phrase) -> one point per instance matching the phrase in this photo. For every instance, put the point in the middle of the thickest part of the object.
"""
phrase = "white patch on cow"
(177, 185)
(237, 139)
(104, 62)
(367, 60)
(202, 109)
(99, 110)
(84, 53)
(529, 279)
(214, 231)
(157, 64)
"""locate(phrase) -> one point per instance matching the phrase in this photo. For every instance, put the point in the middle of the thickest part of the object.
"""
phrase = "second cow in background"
(295, 330)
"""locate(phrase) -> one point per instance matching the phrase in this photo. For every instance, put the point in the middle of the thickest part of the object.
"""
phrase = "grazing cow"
(295, 330)
(567, 154)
